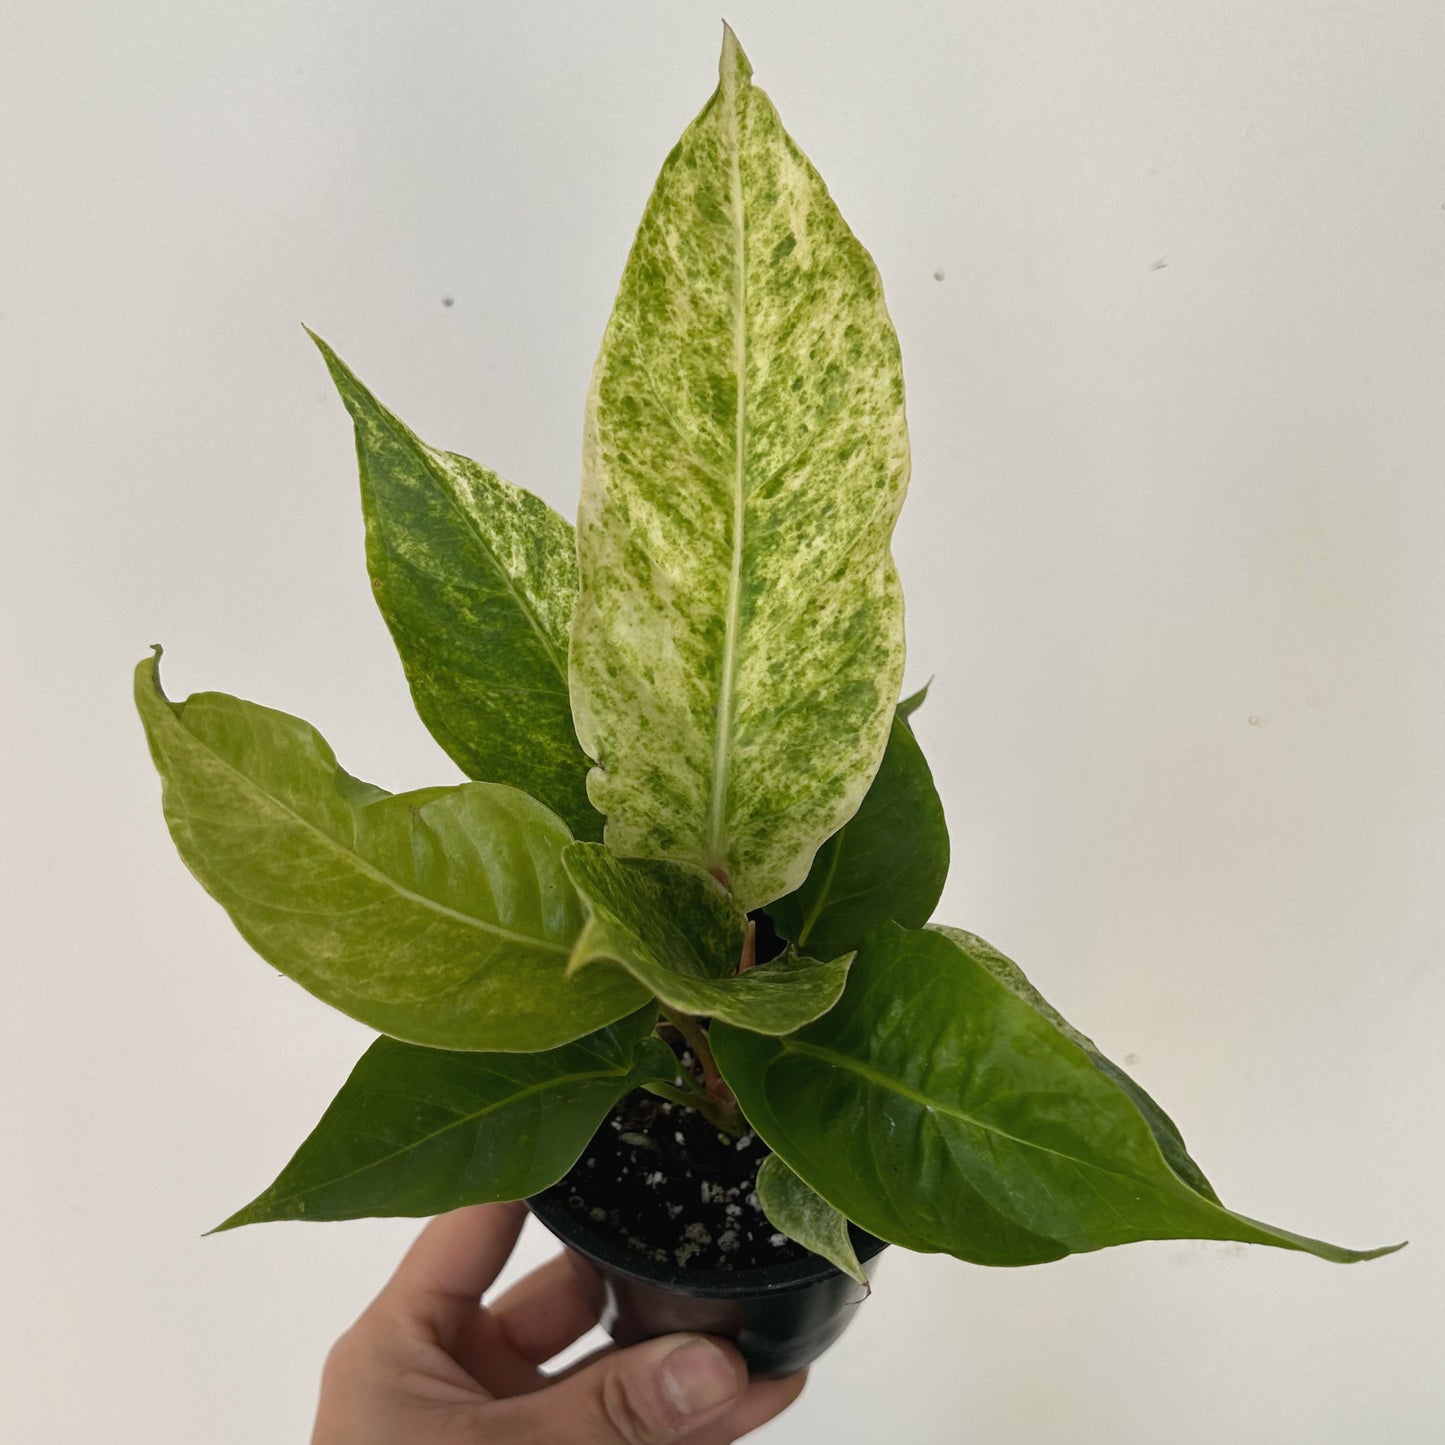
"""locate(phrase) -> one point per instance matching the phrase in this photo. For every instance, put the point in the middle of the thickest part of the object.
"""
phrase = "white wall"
(1172, 553)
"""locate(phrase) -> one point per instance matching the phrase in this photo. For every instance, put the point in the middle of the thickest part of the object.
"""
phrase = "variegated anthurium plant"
(682, 714)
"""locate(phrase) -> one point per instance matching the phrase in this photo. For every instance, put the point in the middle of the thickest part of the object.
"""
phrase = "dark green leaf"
(909, 705)
(888, 863)
(442, 916)
(681, 934)
(419, 1131)
(477, 581)
(1166, 1133)
(939, 1109)
(806, 1217)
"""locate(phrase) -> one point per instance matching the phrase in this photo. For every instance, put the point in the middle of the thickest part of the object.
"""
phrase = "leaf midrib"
(362, 865)
(914, 1096)
(723, 727)
(459, 1123)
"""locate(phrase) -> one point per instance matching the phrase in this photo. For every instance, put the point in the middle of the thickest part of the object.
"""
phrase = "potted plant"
(666, 965)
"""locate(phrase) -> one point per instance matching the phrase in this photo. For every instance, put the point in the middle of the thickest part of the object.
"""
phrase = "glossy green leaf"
(888, 862)
(806, 1217)
(442, 916)
(419, 1131)
(1166, 1133)
(940, 1110)
(676, 930)
(477, 581)
(909, 705)
(738, 643)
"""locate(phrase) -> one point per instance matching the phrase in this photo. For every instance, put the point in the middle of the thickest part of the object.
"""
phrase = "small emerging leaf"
(419, 1131)
(887, 863)
(477, 581)
(940, 1109)
(680, 933)
(442, 916)
(806, 1217)
(738, 644)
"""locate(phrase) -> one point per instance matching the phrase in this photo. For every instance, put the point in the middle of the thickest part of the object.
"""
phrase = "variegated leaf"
(477, 580)
(442, 917)
(806, 1216)
(738, 644)
(678, 931)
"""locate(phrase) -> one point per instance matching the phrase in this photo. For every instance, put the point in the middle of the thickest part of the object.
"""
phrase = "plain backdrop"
(1168, 279)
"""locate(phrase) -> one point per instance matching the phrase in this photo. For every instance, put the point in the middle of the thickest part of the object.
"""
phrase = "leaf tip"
(909, 705)
(1380, 1253)
(148, 671)
(734, 70)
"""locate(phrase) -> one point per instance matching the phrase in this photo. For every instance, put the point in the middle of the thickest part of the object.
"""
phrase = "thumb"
(651, 1394)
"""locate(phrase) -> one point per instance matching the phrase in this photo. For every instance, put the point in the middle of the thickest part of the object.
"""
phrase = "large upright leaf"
(888, 862)
(679, 932)
(442, 917)
(420, 1131)
(738, 643)
(477, 581)
(940, 1110)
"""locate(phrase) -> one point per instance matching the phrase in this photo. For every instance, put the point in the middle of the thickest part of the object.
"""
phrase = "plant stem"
(715, 1101)
(673, 1093)
(696, 1040)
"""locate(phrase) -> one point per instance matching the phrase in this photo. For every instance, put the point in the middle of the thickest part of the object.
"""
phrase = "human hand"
(428, 1364)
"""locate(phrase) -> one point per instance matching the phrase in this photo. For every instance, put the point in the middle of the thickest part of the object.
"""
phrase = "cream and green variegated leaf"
(940, 1109)
(738, 643)
(419, 1131)
(806, 1217)
(477, 580)
(679, 932)
(888, 862)
(442, 917)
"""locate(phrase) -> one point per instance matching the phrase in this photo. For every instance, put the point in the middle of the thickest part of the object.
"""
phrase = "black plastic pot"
(781, 1317)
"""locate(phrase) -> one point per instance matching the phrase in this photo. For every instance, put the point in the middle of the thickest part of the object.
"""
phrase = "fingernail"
(697, 1375)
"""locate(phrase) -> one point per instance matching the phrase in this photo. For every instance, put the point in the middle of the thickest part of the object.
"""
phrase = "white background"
(1172, 552)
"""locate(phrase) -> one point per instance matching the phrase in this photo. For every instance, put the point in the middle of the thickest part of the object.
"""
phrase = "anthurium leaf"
(420, 1131)
(1166, 1133)
(806, 1217)
(738, 643)
(442, 917)
(888, 862)
(909, 705)
(938, 1109)
(477, 581)
(678, 931)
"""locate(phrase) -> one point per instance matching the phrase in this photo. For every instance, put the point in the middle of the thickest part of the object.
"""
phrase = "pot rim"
(551, 1210)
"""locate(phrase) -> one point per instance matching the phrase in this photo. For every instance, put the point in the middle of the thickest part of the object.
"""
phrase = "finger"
(503, 1343)
(550, 1308)
(764, 1401)
(652, 1394)
(441, 1280)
